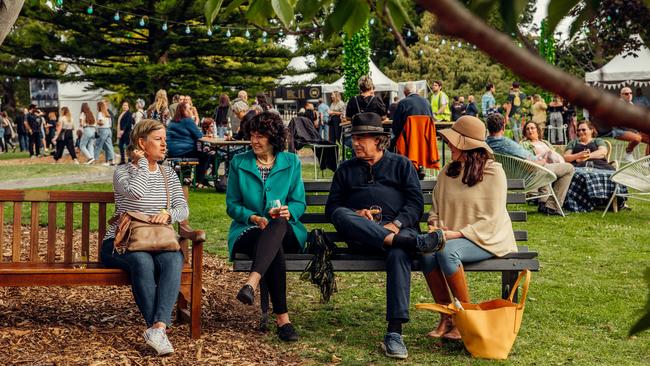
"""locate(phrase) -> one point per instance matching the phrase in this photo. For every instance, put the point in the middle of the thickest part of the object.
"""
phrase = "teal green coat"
(247, 195)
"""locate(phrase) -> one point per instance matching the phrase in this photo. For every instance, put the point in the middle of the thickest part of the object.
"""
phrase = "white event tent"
(382, 82)
(624, 70)
(73, 94)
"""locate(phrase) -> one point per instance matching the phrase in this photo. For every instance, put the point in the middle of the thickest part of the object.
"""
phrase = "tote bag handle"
(524, 289)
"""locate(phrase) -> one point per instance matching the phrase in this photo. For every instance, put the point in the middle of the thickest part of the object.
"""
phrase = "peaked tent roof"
(381, 81)
(299, 65)
(623, 68)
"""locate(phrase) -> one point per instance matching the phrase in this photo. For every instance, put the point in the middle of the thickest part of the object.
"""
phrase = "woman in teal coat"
(265, 199)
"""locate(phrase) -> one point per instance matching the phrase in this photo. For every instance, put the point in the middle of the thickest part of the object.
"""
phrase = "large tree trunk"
(455, 20)
(9, 10)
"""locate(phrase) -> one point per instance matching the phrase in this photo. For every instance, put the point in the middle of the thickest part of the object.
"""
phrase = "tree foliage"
(355, 60)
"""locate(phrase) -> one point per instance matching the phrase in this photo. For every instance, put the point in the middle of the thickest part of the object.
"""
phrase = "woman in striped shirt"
(140, 186)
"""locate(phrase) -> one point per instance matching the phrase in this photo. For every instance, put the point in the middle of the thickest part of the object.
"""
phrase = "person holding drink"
(469, 205)
(587, 148)
(265, 199)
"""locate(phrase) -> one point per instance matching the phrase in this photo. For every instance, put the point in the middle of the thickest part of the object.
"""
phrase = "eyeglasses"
(582, 130)
(626, 93)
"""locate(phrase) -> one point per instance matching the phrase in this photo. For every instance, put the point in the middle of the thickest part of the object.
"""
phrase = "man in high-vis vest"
(440, 103)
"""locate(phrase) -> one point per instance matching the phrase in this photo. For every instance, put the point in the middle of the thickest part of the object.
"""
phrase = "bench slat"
(85, 228)
(69, 211)
(426, 185)
(33, 233)
(55, 196)
(51, 232)
(321, 199)
(2, 228)
(17, 230)
(101, 231)
(520, 235)
(319, 218)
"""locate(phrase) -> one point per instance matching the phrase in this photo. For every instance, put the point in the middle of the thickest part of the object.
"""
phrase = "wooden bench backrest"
(39, 198)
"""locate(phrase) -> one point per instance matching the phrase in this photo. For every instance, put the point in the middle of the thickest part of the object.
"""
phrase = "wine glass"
(589, 166)
(438, 223)
(274, 212)
(375, 210)
(80, 260)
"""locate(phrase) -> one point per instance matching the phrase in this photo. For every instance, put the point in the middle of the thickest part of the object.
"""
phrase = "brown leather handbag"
(135, 232)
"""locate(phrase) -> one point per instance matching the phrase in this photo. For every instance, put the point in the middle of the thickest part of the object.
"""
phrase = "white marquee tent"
(382, 82)
(623, 70)
(73, 94)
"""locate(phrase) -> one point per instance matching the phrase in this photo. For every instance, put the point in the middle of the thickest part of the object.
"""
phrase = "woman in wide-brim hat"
(469, 204)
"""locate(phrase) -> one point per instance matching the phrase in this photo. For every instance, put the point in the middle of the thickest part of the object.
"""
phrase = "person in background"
(311, 114)
(457, 108)
(556, 120)
(9, 133)
(472, 108)
(366, 101)
(63, 136)
(587, 147)
(3, 147)
(265, 199)
(516, 99)
(105, 132)
(125, 125)
(633, 137)
(324, 118)
(469, 202)
(244, 114)
(23, 137)
(195, 112)
(337, 108)
(42, 133)
(440, 103)
(539, 113)
(142, 186)
(488, 102)
(89, 125)
(412, 105)
(235, 122)
(222, 115)
(260, 99)
(640, 99)
(33, 126)
(183, 135)
(393, 107)
(159, 110)
(50, 130)
(139, 114)
(172, 107)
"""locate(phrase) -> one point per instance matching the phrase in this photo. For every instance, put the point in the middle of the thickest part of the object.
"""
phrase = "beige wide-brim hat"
(467, 133)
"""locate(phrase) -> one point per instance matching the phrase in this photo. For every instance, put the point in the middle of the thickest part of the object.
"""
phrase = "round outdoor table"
(228, 148)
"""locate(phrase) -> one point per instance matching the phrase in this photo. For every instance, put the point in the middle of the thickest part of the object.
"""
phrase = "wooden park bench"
(344, 261)
(54, 263)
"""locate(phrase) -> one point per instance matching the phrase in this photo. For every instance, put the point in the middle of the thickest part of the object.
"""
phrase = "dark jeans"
(23, 142)
(368, 236)
(267, 248)
(66, 142)
(155, 279)
(124, 142)
(35, 143)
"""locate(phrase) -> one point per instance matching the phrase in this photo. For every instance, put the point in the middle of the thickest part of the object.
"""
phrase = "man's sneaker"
(628, 158)
(90, 161)
(156, 338)
(288, 333)
(394, 346)
(430, 242)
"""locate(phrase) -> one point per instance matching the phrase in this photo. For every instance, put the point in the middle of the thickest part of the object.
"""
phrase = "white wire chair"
(636, 177)
(534, 176)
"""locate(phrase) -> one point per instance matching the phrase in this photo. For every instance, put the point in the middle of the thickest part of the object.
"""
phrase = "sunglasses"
(582, 129)
(626, 93)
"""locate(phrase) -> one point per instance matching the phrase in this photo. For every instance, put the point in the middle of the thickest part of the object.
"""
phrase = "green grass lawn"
(589, 292)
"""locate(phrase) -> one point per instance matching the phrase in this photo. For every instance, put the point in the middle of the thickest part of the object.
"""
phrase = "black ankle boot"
(287, 333)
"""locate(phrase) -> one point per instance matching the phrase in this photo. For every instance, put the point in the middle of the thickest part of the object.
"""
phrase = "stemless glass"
(438, 223)
(589, 166)
(274, 212)
(375, 210)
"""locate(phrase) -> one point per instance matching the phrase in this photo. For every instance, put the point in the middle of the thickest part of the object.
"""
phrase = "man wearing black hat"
(389, 182)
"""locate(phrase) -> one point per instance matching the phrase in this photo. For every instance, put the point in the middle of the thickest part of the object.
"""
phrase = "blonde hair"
(102, 107)
(65, 113)
(142, 130)
(365, 83)
(161, 101)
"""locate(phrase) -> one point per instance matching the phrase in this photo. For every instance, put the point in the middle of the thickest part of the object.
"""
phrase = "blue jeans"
(450, 258)
(105, 142)
(87, 144)
(23, 142)
(323, 131)
(369, 236)
(155, 279)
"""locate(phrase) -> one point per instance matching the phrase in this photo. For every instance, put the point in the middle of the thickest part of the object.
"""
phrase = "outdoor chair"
(635, 176)
(534, 177)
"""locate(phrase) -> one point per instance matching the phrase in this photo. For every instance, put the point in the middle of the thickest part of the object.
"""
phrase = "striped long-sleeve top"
(138, 189)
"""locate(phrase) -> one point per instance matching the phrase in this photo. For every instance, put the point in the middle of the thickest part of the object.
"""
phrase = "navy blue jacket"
(412, 105)
(392, 183)
(182, 137)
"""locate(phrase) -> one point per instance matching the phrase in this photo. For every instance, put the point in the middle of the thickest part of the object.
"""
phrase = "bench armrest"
(186, 232)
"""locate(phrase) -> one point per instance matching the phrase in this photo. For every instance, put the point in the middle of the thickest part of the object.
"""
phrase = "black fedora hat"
(367, 123)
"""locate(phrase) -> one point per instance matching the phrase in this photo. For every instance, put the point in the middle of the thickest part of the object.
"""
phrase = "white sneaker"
(90, 161)
(106, 164)
(628, 158)
(156, 338)
(76, 161)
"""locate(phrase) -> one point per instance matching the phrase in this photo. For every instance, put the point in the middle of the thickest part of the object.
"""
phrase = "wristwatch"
(397, 223)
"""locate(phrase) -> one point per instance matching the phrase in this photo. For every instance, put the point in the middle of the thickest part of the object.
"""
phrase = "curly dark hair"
(475, 161)
(270, 125)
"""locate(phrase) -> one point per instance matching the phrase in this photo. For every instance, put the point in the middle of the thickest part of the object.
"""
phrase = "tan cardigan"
(478, 212)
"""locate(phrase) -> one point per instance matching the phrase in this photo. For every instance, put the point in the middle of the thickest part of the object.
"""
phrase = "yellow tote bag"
(488, 329)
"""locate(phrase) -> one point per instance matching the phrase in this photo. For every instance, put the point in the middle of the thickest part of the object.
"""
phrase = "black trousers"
(66, 142)
(34, 143)
(267, 248)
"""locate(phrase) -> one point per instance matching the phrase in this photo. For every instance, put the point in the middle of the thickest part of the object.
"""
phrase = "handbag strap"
(524, 289)
(444, 309)
(166, 180)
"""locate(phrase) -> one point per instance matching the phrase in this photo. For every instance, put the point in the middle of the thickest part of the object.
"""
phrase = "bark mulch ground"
(102, 326)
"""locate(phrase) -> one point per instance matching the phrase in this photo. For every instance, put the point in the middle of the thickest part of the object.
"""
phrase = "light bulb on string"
(228, 34)
(264, 34)
(460, 44)
(247, 34)
(142, 22)
(421, 53)
(390, 52)
(60, 2)
(89, 10)
(209, 32)
(116, 17)
(474, 46)
(264, 39)
(426, 38)
(280, 33)
(372, 21)
(165, 27)
(297, 28)
(187, 29)
(408, 33)
(443, 42)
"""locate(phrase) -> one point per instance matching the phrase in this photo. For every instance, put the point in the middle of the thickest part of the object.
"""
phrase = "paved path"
(102, 177)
